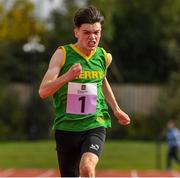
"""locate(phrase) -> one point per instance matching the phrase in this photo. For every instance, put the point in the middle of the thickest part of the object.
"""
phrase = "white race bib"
(81, 98)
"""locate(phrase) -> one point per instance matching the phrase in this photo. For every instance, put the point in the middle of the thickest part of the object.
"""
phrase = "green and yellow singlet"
(80, 104)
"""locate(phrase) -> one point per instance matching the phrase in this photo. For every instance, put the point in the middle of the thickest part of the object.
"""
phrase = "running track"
(106, 173)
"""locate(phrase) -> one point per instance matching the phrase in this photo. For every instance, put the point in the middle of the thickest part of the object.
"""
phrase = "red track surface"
(106, 173)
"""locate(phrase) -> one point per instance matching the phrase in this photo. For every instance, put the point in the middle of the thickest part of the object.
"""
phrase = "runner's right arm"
(52, 81)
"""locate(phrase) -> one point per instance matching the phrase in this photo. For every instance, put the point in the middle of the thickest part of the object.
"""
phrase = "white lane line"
(134, 173)
(47, 173)
(7, 172)
(175, 174)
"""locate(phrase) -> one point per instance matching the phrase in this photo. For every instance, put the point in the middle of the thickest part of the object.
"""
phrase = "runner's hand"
(122, 117)
(73, 72)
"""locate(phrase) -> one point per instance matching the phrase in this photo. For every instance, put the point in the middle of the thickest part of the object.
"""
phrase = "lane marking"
(134, 173)
(48, 173)
(175, 174)
(7, 172)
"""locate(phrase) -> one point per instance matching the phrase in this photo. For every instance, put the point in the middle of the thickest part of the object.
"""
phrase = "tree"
(137, 33)
(11, 114)
(169, 102)
(18, 23)
(170, 28)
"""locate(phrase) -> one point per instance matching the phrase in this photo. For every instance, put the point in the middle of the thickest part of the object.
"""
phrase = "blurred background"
(144, 39)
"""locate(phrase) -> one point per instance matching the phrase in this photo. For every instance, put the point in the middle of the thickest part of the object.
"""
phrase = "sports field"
(122, 159)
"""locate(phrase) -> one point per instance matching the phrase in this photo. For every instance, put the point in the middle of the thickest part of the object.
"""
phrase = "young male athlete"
(76, 78)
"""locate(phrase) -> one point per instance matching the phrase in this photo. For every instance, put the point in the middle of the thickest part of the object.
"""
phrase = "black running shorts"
(71, 145)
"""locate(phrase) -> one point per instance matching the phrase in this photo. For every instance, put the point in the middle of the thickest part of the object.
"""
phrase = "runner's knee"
(87, 170)
(88, 164)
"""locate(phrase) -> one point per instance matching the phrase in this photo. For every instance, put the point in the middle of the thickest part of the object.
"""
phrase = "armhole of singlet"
(64, 56)
(105, 57)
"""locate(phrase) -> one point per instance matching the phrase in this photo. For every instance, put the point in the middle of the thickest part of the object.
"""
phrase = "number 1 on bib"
(81, 98)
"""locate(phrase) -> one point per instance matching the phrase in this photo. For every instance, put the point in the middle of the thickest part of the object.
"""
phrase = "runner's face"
(88, 36)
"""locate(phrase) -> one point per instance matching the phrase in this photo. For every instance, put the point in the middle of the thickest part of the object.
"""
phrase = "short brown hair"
(87, 15)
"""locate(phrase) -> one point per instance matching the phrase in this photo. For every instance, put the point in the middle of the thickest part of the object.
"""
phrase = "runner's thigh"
(68, 152)
(94, 141)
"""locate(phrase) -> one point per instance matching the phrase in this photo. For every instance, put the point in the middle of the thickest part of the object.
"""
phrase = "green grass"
(129, 155)
(39, 154)
(122, 155)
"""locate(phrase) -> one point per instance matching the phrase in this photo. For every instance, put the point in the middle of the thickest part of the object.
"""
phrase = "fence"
(131, 98)
(136, 98)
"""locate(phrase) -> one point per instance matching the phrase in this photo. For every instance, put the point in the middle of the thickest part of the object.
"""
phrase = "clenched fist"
(73, 72)
(122, 117)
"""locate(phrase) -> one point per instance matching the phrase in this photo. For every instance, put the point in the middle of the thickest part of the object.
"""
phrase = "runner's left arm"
(121, 116)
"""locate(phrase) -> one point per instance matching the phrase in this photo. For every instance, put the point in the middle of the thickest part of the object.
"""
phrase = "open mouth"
(92, 44)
